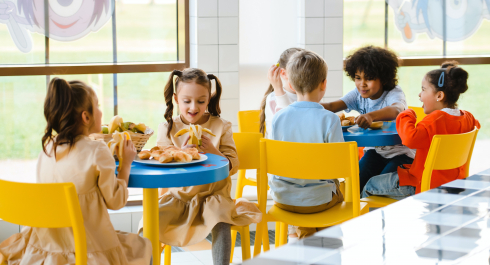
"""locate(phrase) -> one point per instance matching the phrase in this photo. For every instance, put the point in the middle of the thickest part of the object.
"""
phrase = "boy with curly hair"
(377, 97)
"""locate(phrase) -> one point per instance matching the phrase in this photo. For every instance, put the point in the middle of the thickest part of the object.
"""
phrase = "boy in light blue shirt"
(306, 121)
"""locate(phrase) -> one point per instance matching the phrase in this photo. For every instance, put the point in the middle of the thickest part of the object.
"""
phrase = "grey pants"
(221, 246)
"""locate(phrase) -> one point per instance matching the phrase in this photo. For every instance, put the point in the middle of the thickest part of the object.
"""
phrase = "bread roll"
(376, 125)
(345, 123)
(165, 158)
(181, 156)
(351, 120)
(156, 148)
(341, 116)
(144, 155)
(193, 152)
(156, 154)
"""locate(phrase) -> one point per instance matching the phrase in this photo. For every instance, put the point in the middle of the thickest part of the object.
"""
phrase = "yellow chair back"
(448, 152)
(44, 205)
(249, 121)
(419, 112)
(248, 149)
(310, 161)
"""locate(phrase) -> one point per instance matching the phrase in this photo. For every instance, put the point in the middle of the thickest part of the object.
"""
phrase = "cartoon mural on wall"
(463, 18)
(68, 19)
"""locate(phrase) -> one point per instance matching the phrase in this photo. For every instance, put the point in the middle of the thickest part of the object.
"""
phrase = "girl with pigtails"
(189, 214)
(441, 89)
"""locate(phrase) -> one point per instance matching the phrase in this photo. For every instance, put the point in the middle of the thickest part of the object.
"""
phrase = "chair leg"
(167, 255)
(233, 241)
(245, 236)
(258, 239)
(284, 234)
(278, 235)
(265, 237)
(240, 183)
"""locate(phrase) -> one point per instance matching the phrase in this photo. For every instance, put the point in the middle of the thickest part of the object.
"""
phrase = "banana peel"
(118, 140)
(195, 134)
(115, 124)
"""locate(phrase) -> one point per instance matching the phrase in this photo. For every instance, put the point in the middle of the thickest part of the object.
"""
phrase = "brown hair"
(453, 83)
(283, 61)
(190, 75)
(306, 71)
(63, 107)
(376, 63)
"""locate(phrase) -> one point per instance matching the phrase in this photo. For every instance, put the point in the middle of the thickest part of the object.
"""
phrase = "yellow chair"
(419, 112)
(446, 152)
(45, 205)
(249, 121)
(308, 161)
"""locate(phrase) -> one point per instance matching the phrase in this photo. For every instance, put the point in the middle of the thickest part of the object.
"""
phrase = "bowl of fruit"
(139, 132)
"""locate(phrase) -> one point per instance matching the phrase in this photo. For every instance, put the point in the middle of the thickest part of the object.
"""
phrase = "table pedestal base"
(151, 221)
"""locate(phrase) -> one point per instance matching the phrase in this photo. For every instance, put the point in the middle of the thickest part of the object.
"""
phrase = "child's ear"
(290, 86)
(324, 85)
(283, 74)
(86, 118)
(440, 96)
(176, 98)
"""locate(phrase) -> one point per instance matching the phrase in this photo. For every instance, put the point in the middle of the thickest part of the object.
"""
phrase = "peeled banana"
(195, 133)
(118, 140)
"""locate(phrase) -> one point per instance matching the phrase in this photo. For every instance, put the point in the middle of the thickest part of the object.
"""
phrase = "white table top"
(446, 225)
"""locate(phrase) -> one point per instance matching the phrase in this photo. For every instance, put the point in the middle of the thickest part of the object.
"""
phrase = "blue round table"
(385, 136)
(150, 178)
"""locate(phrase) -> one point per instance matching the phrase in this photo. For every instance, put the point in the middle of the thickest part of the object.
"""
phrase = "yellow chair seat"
(333, 216)
(378, 201)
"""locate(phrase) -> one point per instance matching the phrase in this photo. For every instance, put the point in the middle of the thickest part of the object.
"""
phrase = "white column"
(214, 48)
(320, 29)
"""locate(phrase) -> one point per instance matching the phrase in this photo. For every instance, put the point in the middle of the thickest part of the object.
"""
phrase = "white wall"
(267, 28)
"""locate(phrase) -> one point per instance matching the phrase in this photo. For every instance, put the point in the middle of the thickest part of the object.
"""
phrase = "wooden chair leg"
(167, 255)
(233, 241)
(278, 235)
(245, 236)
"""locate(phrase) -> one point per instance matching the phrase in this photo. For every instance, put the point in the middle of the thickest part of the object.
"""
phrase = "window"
(126, 61)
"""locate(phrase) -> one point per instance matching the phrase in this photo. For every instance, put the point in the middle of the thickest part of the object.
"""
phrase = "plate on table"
(344, 128)
(152, 162)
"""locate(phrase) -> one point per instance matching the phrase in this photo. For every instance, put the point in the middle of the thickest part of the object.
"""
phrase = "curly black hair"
(375, 62)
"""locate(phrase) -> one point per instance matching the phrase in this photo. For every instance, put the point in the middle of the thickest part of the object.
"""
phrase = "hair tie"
(177, 73)
(441, 79)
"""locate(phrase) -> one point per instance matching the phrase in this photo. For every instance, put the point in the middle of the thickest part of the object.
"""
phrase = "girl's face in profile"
(431, 99)
(193, 100)
(368, 88)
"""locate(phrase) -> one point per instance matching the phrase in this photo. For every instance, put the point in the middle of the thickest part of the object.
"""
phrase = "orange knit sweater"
(420, 137)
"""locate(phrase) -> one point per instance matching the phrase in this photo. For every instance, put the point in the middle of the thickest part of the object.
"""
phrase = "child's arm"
(335, 106)
(385, 114)
(334, 134)
(282, 99)
(226, 147)
(414, 137)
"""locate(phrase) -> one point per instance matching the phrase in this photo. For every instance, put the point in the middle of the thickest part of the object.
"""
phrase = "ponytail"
(63, 107)
(213, 106)
(262, 109)
(169, 95)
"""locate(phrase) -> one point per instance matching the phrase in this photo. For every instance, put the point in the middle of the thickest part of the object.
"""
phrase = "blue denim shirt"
(304, 122)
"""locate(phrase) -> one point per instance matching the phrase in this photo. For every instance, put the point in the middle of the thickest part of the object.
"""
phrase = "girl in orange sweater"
(441, 89)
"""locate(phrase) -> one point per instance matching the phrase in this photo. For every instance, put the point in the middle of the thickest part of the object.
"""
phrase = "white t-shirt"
(274, 104)
(355, 101)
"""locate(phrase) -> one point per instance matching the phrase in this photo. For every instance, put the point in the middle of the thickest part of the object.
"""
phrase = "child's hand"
(208, 147)
(274, 77)
(364, 121)
(129, 152)
(185, 145)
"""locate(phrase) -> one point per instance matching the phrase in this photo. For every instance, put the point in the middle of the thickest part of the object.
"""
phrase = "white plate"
(152, 162)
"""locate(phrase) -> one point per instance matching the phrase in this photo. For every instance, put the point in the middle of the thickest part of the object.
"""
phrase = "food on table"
(180, 156)
(171, 153)
(117, 124)
(118, 141)
(144, 155)
(105, 129)
(195, 133)
(346, 121)
(193, 152)
(376, 125)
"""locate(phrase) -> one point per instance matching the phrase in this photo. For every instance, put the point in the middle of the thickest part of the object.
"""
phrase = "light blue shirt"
(304, 122)
(354, 101)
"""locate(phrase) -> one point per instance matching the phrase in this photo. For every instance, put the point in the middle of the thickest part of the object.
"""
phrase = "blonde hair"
(283, 61)
(306, 70)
